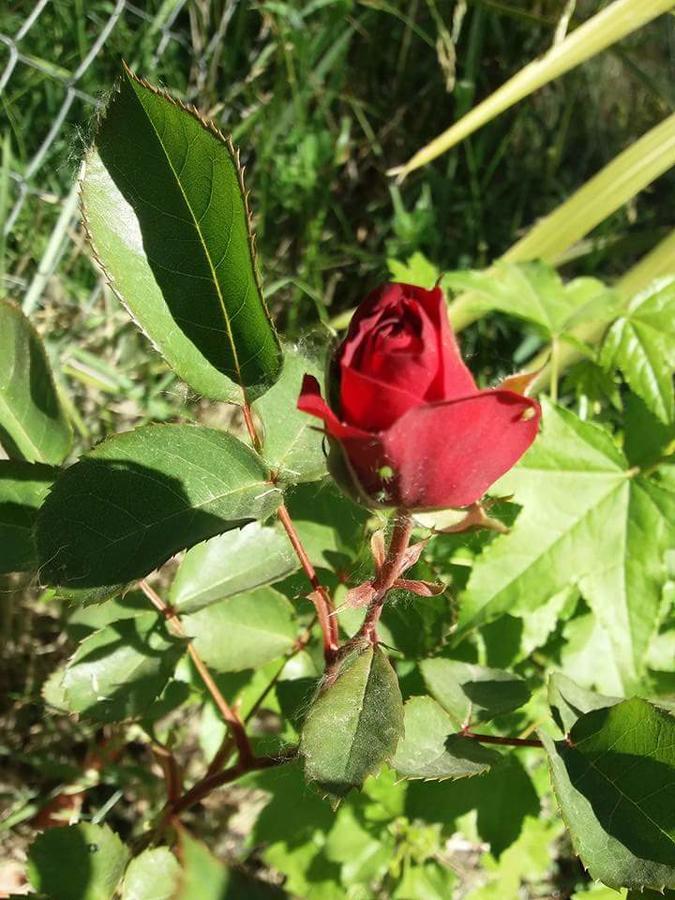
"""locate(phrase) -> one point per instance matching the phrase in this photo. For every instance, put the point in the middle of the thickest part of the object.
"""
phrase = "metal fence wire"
(45, 103)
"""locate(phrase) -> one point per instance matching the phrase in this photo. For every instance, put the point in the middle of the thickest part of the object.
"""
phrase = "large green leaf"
(642, 344)
(230, 564)
(243, 632)
(138, 498)
(615, 783)
(165, 209)
(568, 700)
(118, 671)
(587, 520)
(33, 425)
(152, 876)
(469, 692)
(292, 444)
(430, 750)
(23, 488)
(354, 724)
(77, 862)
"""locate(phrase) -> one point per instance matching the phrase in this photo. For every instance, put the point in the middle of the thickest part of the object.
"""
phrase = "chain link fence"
(56, 60)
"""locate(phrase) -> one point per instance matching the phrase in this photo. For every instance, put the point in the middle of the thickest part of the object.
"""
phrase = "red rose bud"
(409, 427)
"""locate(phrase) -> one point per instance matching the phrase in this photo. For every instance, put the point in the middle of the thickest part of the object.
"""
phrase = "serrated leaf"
(569, 701)
(119, 670)
(354, 724)
(243, 632)
(140, 497)
(33, 424)
(642, 344)
(230, 564)
(23, 488)
(534, 291)
(164, 206)
(472, 693)
(77, 862)
(430, 750)
(589, 521)
(614, 781)
(151, 876)
(292, 445)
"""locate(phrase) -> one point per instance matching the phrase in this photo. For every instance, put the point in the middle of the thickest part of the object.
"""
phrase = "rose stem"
(232, 720)
(388, 574)
(320, 596)
(170, 770)
(497, 739)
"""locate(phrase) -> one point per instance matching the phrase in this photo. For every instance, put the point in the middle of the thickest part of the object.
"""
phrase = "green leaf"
(354, 724)
(164, 206)
(206, 878)
(587, 521)
(243, 632)
(614, 783)
(646, 439)
(77, 862)
(535, 292)
(119, 670)
(430, 750)
(642, 344)
(152, 876)
(140, 497)
(231, 564)
(430, 881)
(469, 692)
(33, 424)
(569, 701)
(23, 488)
(292, 444)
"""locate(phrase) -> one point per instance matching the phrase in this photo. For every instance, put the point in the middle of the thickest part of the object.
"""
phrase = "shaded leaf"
(430, 750)
(292, 444)
(615, 786)
(569, 701)
(243, 632)
(164, 206)
(151, 876)
(77, 862)
(587, 520)
(138, 498)
(118, 671)
(23, 488)
(354, 724)
(33, 425)
(642, 344)
(230, 564)
(469, 692)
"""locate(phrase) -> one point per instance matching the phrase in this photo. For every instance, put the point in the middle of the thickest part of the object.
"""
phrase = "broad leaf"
(614, 781)
(535, 292)
(230, 564)
(77, 862)
(642, 344)
(430, 750)
(164, 206)
(151, 876)
(569, 701)
(23, 488)
(33, 425)
(119, 670)
(140, 497)
(354, 724)
(472, 693)
(243, 632)
(292, 444)
(587, 520)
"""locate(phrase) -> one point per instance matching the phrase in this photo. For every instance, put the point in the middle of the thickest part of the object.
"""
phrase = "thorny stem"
(320, 596)
(498, 739)
(385, 578)
(170, 770)
(232, 720)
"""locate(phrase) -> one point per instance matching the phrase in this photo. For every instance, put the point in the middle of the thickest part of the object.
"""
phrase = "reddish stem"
(504, 741)
(389, 572)
(232, 720)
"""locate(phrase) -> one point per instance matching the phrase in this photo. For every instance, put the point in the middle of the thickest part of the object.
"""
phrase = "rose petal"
(454, 379)
(448, 454)
(370, 404)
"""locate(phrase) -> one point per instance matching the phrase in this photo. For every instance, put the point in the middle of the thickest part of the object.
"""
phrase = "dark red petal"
(370, 404)
(454, 380)
(310, 401)
(448, 454)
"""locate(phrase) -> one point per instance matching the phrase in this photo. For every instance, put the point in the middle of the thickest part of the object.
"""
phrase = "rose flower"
(407, 425)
